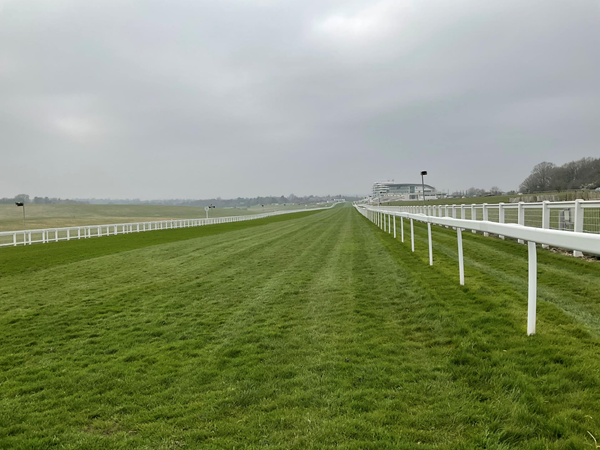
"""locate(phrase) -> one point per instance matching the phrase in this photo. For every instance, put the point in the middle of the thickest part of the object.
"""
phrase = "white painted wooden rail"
(571, 240)
(577, 215)
(46, 235)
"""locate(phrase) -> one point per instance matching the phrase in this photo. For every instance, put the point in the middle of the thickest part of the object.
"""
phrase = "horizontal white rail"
(572, 240)
(46, 235)
(572, 216)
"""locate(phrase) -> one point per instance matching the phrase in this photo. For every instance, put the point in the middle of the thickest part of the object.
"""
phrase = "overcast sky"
(195, 99)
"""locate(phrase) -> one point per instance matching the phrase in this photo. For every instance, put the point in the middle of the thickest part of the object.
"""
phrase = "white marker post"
(394, 227)
(532, 294)
(206, 208)
(461, 262)
(402, 228)
(430, 244)
(390, 223)
(412, 235)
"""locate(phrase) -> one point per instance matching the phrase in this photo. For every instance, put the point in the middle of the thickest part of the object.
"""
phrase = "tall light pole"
(23, 205)
(423, 173)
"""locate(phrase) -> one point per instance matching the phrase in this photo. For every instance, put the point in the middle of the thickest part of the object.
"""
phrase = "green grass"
(313, 331)
(48, 216)
(456, 201)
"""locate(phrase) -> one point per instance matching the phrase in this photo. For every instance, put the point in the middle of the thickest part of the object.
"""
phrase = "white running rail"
(46, 235)
(385, 218)
(579, 215)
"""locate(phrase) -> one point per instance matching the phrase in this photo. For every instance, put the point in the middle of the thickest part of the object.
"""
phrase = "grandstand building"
(391, 191)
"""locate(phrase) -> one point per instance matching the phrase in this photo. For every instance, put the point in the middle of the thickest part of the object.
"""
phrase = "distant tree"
(22, 198)
(475, 192)
(581, 174)
(495, 190)
(540, 179)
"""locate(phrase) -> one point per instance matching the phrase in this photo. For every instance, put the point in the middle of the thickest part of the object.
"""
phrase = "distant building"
(391, 191)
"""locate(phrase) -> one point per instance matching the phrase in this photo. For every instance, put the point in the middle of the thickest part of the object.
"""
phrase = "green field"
(48, 216)
(313, 330)
(455, 201)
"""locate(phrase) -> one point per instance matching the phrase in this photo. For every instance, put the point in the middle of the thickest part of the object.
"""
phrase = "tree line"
(240, 202)
(24, 198)
(574, 175)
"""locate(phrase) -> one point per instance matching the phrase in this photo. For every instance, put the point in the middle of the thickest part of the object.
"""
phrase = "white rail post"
(430, 244)
(454, 211)
(79, 233)
(485, 217)
(473, 216)
(68, 234)
(501, 215)
(389, 223)
(462, 211)
(384, 222)
(402, 229)
(578, 223)
(545, 218)
(521, 218)
(532, 292)
(15, 239)
(461, 262)
(412, 235)
(394, 227)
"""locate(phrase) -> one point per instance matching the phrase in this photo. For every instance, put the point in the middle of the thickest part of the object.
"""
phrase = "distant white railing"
(579, 215)
(46, 235)
(578, 241)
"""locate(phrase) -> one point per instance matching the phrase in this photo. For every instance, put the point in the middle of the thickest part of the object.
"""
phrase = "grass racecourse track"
(48, 216)
(310, 330)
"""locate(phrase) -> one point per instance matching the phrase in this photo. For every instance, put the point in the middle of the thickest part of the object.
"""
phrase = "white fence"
(576, 240)
(579, 215)
(46, 235)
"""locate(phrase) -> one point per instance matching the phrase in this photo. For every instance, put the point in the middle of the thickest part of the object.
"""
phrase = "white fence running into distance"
(574, 237)
(46, 235)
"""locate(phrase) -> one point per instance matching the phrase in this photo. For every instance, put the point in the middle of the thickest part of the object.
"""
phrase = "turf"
(455, 201)
(47, 216)
(317, 332)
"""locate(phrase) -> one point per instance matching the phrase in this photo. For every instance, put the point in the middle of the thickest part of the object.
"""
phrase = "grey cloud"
(162, 99)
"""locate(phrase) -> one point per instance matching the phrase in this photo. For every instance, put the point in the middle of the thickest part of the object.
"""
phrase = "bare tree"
(540, 178)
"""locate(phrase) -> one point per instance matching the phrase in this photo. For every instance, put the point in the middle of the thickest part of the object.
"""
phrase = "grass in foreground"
(318, 332)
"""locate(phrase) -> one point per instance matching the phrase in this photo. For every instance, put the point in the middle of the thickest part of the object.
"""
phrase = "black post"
(423, 173)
